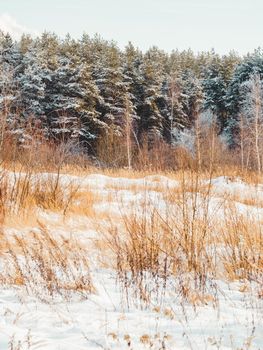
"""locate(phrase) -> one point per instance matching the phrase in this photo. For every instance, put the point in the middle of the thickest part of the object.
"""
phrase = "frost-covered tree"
(110, 79)
(250, 66)
(70, 103)
(215, 89)
(89, 90)
(31, 84)
(251, 122)
(28, 102)
(152, 98)
(192, 94)
(175, 116)
(10, 59)
(48, 48)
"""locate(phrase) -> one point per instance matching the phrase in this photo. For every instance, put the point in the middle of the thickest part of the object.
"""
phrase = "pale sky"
(197, 24)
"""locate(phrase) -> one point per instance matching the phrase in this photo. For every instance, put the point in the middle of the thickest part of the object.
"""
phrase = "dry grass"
(155, 244)
(26, 193)
(252, 198)
(192, 240)
(20, 192)
(47, 266)
(241, 237)
(138, 255)
(148, 246)
(84, 201)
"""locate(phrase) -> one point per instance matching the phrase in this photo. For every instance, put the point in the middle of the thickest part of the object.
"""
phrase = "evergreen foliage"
(84, 89)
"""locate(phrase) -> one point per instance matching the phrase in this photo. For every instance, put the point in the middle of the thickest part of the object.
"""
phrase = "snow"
(103, 321)
(99, 181)
(234, 320)
(240, 191)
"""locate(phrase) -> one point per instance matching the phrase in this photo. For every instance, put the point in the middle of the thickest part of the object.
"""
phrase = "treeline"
(102, 100)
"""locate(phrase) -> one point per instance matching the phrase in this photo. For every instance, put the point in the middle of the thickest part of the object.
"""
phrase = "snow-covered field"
(229, 317)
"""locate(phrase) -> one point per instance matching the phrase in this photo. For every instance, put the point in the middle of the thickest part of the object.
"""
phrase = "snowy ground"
(102, 322)
(234, 320)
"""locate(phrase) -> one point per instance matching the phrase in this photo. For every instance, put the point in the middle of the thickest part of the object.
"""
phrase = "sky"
(201, 25)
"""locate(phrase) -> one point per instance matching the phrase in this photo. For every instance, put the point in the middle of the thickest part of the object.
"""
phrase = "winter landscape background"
(131, 180)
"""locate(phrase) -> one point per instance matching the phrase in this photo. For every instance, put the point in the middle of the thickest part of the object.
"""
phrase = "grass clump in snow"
(47, 266)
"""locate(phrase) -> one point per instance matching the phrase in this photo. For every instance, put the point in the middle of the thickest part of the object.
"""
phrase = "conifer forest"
(90, 94)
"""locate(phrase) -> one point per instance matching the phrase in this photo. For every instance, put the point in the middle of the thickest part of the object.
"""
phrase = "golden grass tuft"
(47, 266)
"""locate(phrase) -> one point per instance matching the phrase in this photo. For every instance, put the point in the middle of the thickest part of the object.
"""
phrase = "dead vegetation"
(190, 241)
(47, 266)
(191, 235)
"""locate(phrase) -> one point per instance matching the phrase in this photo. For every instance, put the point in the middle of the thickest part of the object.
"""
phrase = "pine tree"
(10, 59)
(215, 89)
(152, 99)
(250, 66)
(192, 94)
(31, 85)
(109, 77)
